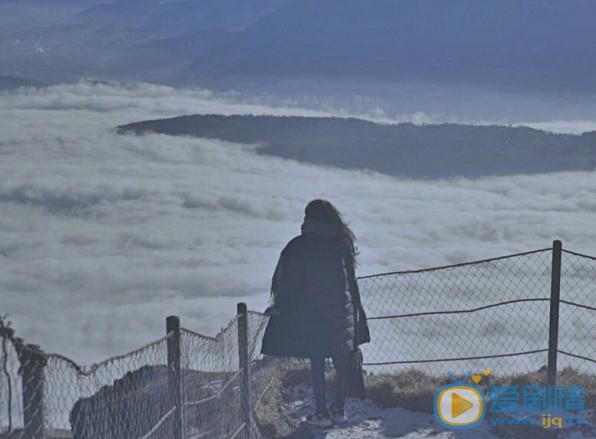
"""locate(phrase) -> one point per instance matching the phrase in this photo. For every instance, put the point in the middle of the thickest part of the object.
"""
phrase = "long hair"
(323, 210)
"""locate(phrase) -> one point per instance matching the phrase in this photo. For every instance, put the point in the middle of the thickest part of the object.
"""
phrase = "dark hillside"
(427, 151)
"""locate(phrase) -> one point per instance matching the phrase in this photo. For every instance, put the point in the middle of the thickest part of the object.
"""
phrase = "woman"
(316, 303)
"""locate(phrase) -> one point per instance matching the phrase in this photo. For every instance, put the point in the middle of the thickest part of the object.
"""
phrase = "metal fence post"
(553, 329)
(243, 364)
(32, 360)
(175, 376)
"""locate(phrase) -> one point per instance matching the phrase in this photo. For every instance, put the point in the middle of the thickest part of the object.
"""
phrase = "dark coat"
(314, 292)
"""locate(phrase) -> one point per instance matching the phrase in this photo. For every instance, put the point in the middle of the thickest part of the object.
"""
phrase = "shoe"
(319, 420)
(338, 416)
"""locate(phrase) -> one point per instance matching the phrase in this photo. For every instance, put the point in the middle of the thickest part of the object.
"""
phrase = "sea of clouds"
(103, 235)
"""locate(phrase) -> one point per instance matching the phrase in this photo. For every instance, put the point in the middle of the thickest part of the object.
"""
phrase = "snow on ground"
(366, 420)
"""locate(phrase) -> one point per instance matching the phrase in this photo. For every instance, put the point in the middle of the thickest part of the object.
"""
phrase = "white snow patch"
(366, 420)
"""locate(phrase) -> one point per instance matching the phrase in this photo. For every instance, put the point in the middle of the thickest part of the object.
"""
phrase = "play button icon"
(459, 405)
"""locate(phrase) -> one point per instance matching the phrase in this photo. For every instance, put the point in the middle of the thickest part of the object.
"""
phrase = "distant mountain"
(118, 39)
(12, 82)
(533, 44)
(18, 17)
(172, 18)
(38, 41)
(405, 150)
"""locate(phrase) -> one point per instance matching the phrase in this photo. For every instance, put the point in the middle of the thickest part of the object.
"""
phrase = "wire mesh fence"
(11, 396)
(211, 383)
(489, 314)
(123, 396)
(577, 317)
(481, 315)
(492, 314)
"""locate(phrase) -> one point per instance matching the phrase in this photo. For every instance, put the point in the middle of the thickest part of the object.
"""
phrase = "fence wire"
(490, 314)
(123, 396)
(11, 396)
(447, 318)
(577, 314)
(211, 380)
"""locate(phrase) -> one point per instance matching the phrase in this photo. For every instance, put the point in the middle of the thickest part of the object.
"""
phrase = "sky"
(104, 235)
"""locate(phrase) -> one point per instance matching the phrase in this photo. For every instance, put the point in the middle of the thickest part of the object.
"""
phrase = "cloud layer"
(103, 235)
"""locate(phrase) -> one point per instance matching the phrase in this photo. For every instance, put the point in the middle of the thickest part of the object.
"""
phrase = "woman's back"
(325, 288)
(313, 295)
(312, 314)
(313, 288)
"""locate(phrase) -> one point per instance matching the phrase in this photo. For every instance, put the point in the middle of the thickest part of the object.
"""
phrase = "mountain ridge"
(401, 150)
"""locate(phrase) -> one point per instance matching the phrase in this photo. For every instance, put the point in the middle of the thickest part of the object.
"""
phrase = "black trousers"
(317, 371)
